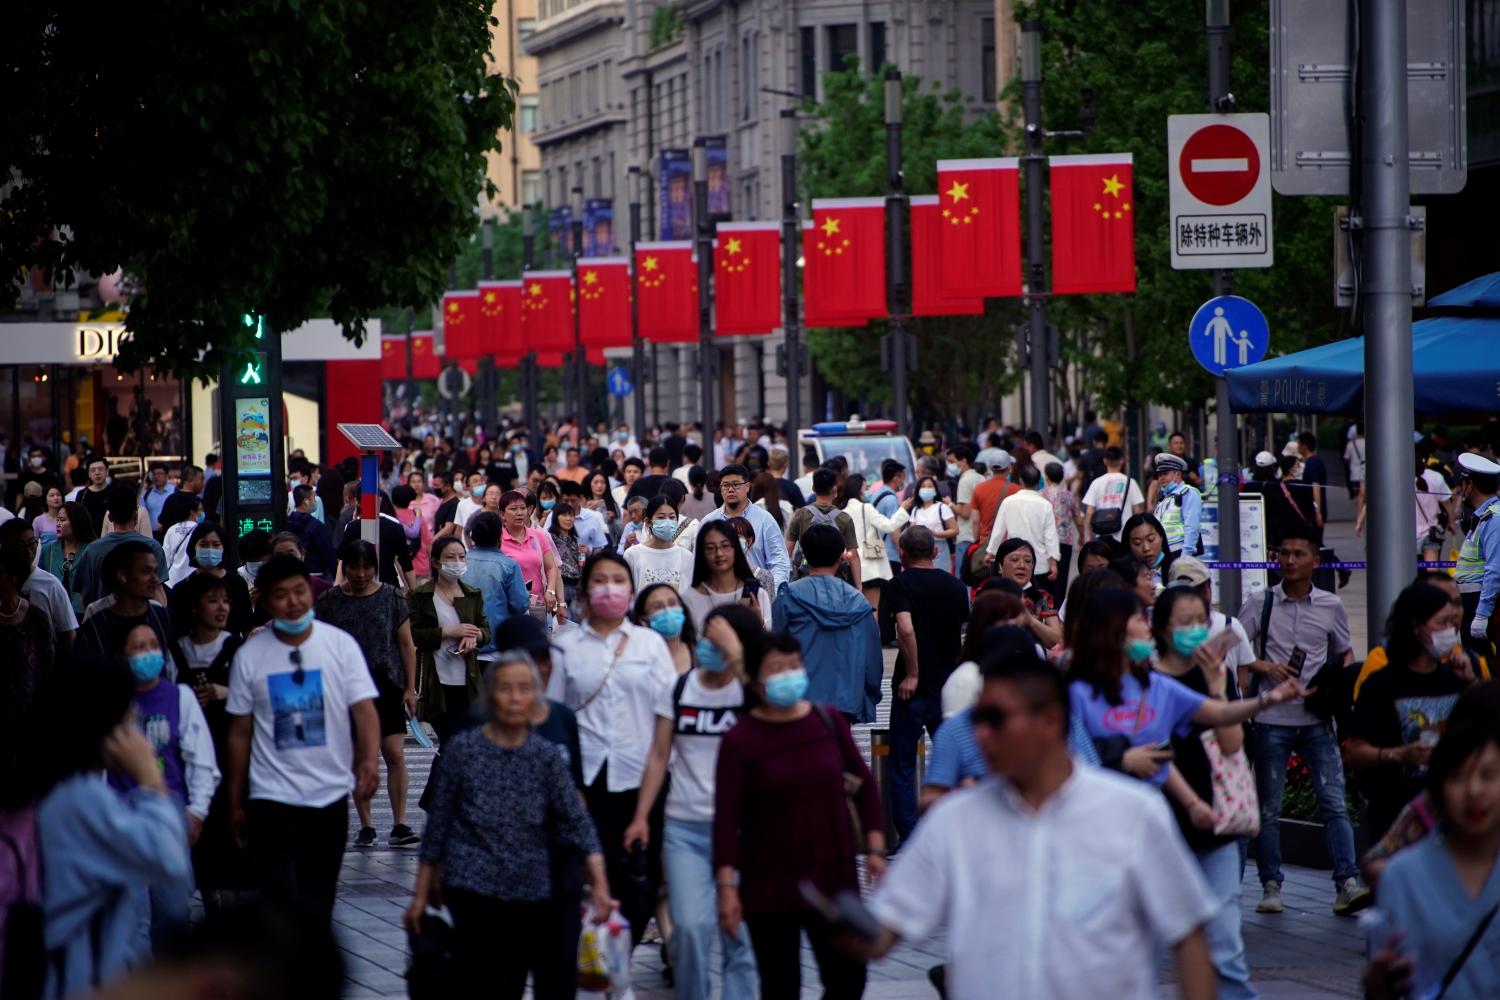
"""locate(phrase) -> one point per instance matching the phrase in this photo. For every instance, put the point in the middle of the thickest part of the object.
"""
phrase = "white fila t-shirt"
(699, 721)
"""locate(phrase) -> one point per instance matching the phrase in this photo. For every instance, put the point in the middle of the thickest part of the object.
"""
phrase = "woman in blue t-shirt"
(1131, 715)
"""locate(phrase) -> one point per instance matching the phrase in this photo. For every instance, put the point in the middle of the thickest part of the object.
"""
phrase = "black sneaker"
(366, 837)
(403, 836)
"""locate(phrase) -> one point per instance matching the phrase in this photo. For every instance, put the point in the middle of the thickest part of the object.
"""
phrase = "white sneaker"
(1270, 899)
(1351, 898)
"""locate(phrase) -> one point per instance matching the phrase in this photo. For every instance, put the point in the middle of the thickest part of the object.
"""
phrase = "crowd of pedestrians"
(642, 676)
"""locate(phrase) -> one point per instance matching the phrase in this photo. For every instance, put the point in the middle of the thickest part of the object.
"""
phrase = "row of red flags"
(965, 247)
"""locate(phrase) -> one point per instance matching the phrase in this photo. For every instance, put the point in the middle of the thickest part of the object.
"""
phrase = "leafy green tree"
(963, 360)
(286, 159)
(1144, 61)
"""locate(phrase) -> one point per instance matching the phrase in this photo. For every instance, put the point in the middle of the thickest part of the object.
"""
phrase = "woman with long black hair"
(722, 575)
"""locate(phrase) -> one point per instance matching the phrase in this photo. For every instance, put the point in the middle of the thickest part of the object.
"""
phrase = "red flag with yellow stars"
(424, 358)
(392, 356)
(844, 272)
(547, 311)
(815, 311)
(666, 288)
(979, 242)
(1093, 225)
(747, 277)
(927, 298)
(604, 302)
(500, 310)
(462, 336)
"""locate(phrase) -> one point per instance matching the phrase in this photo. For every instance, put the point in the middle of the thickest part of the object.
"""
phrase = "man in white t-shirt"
(1113, 493)
(40, 588)
(1354, 458)
(303, 733)
(1052, 878)
(961, 467)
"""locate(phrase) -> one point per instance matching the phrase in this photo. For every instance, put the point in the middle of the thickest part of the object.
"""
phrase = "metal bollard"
(880, 767)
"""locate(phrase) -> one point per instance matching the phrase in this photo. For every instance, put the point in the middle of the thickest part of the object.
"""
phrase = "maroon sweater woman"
(781, 816)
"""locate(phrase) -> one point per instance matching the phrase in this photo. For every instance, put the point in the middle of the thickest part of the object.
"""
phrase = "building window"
(807, 62)
(531, 187)
(593, 88)
(598, 186)
(988, 68)
(528, 113)
(749, 87)
(575, 95)
(877, 45)
(843, 40)
(524, 27)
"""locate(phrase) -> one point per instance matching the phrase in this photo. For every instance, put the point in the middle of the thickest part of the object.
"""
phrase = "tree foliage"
(280, 157)
(1144, 61)
(962, 359)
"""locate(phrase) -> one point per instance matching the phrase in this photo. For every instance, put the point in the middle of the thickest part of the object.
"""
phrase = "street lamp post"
(790, 246)
(528, 362)
(580, 362)
(489, 375)
(895, 269)
(707, 352)
(1036, 285)
(637, 347)
(1216, 26)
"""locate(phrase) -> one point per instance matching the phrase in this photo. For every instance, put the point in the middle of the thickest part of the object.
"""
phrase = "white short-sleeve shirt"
(302, 750)
(1069, 900)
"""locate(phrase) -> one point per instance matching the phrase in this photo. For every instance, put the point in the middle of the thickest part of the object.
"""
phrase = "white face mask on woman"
(453, 570)
(1440, 643)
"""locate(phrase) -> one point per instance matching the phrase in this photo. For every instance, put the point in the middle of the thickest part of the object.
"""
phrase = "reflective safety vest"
(1469, 573)
(1169, 513)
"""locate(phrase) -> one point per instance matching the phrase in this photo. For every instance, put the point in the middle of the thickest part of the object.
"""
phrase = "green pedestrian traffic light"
(251, 375)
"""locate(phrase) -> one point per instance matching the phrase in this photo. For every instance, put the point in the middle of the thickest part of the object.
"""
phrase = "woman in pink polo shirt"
(532, 550)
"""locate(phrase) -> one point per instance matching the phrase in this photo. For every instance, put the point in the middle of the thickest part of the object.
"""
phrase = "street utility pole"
(529, 374)
(1221, 101)
(791, 246)
(637, 347)
(1036, 282)
(898, 354)
(708, 356)
(1385, 296)
(580, 359)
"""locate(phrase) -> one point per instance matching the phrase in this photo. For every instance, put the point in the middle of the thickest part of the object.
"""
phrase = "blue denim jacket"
(498, 578)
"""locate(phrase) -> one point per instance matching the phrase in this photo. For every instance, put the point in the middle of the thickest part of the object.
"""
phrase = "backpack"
(799, 561)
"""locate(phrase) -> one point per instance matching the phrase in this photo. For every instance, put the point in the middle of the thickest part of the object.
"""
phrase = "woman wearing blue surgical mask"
(782, 816)
(659, 559)
(170, 716)
(702, 706)
(207, 554)
(1185, 653)
(660, 609)
(722, 575)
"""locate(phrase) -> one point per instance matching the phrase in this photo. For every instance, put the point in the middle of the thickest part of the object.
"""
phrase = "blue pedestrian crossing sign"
(619, 382)
(1228, 332)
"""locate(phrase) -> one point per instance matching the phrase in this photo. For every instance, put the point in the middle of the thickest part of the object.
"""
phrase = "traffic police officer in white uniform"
(1478, 572)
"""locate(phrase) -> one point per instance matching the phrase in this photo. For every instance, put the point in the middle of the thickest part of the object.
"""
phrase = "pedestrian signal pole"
(1221, 101)
(707, 352)
(1036, 281)
(897, 353)
(637, 347)
(529, 376)
(791, 246)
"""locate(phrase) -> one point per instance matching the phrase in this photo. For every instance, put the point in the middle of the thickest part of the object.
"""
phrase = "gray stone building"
(622, 80)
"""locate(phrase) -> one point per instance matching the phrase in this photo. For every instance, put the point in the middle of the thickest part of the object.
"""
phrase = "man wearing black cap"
(1180, 509)
(1478, 570)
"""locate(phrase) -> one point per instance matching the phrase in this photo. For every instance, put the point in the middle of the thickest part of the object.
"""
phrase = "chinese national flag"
(462, 336)
(547, 311)
(666, 286)
(550, 359)
(815, 311)
(1093, 227)
(927, 298)
(392, 357)
(424, 359)
(979, 204)
(500, 310)
(747, 277)
(470, 365)
(844, 272)
(604, 302)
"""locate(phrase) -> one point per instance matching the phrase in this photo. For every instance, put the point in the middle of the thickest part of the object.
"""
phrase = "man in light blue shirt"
(497, 575)
(592, 531)
(769, 549)
(156, 493)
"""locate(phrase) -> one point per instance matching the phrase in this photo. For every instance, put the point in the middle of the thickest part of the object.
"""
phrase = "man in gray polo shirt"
(1309, 625)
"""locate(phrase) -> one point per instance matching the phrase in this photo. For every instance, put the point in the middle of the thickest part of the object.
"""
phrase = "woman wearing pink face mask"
(612, 674)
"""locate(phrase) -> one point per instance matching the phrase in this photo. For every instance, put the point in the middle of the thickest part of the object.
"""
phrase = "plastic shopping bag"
(604, 954)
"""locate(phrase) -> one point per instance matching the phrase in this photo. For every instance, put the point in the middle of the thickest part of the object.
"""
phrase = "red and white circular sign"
(1219, 165)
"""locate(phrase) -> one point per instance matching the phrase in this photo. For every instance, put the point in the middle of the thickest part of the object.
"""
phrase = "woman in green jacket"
(447, 626)
(75, 530)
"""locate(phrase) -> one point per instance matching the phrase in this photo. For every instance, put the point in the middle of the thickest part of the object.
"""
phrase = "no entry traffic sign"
(1220, 190)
